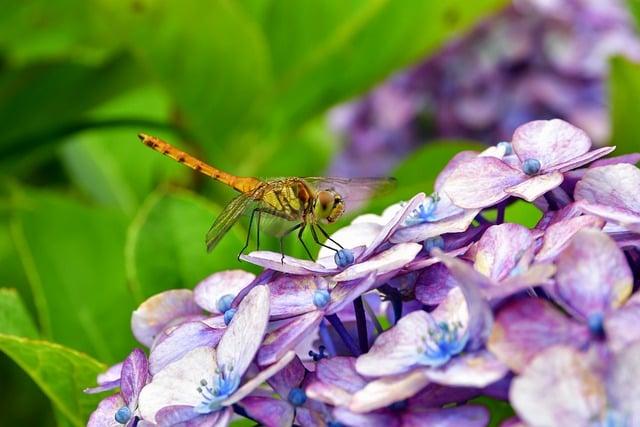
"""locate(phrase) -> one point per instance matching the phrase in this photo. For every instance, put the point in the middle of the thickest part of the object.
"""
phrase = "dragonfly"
(286, 204)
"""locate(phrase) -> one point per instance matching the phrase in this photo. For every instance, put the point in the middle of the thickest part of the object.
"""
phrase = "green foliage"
(14, 318)
(624, 88)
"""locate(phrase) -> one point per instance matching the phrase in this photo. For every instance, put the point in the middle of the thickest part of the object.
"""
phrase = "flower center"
(344, 257)
(433, 242)
(224, 303)
(424, 212)
(531, 166)
(442, 342)
(321, 298)
(297, 397)
(319, 355)
(596, 324)
(224, 384)
(507, 147)
(123, 415)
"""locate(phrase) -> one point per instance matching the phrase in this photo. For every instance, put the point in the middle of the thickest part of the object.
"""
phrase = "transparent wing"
(227, 218)
(353, 189)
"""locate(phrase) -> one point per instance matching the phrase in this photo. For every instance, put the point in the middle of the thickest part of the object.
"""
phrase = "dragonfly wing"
(353, 189)
(227, 218)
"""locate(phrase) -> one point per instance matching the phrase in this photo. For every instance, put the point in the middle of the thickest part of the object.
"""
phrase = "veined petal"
(156, 312)
(269, 411)
(433, 284)
(593, 275)
(287, 336)
(104, 415)
(526, 327)
(392, 259)
(274, 261)
(551, 142)
(474, 369)
(467, 415)
(184, 416)
(135, 375)
(535, 186)
(481, 182)
(452, 165)
(352, 236)
(453, 224)
(614, 186)
(558, 388)
(623, 217)
(207, 293)
(500, 248)
(293, 295)
(384, 391)
(557, 235)
(345, 293)
(291, 376)
(243, 336)
(581, 160)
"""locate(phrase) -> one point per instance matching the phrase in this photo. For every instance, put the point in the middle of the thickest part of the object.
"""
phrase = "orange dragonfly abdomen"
(238, 183)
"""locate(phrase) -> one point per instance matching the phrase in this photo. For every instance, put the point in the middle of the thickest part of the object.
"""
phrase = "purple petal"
(287, 336)
(500, 249)
(468, 416)
(268, 411)
(436, 395)
(535, 186)
(184, 416)
(454, 224)
(624, 389)
(475, 369)
(395, 223)
(241, 340)
(557, 235)
(158, 311)
(392, 259)
(208, 292)
(481, 182)
(433, 284)
(593, 275)
(614, 186)
(632, 159)
(526, 327)
(290, 377)
(293, 295)
(582, 159)
(344, 293)
(537, 274)
(385, 391)
(104, 415)
(621, 326)
(558, 388)
(551, 142)
(135, 375)
(274, 261)
(373, 419)
(107, 380)
(340, 372)
(181, 341)
(457, 160)
(623, 217)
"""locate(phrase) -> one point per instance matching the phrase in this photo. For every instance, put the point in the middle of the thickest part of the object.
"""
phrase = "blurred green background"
(93, 222)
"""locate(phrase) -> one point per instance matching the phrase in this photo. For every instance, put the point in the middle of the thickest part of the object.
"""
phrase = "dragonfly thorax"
(328, 205)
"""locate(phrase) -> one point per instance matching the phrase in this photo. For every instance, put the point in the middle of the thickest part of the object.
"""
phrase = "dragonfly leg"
(325, 234)
(246, 243)
(304, 245)
(258, 231)
(315, 239)
(285, 234)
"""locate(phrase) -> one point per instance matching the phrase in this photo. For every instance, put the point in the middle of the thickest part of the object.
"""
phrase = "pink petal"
(500, 248)
(551, 142)
(593, 275)
(104, 415)
(615, 186)
(269, 411)
(287, 336)
(558, 388)
(243, 336)
(526, 327)
(208, 292)
(387, 390)
(581, 160)
(392, 259)
(557, 235)
(481, 182)
(535, 186)
(151, 317)
(468, 416)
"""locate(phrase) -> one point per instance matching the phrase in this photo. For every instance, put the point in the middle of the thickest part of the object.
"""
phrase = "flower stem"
(394, 296)
(372, 316)
(344, 334)
(361, 322)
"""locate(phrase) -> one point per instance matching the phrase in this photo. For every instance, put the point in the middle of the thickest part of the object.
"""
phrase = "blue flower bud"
(123, 415)
(432, 243)
(596, 324)
(228, 315)
(344, 257)
(297, 397)
(531, 166)
(508, 148)
(321, 298)
(224, 303)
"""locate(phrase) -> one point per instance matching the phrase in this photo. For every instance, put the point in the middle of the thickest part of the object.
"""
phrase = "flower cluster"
(536, 59)
(543, 318)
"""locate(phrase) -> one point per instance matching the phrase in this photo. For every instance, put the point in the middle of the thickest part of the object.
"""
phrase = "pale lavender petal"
(551, 142)
(481, 182)
(344, 293)
(358, 233)
(558, 388)
(537, 274)
(207, 293)
(468, 416)
(243, 336)
(289, 377)
(373, 419)
(621, 326)
(181, 341)
(500, 249)
(340, 372)
(422, 263)
(557, 235)
(453, 224)
(593, 275)
(135, 375)
(287, 336)
(475, 369)
(268, 411)
(623, 385)
(632, 159)
(184, 416)
(396, 222)
(526, 327)
(293, 295)
(104, 415)
(274, 261)
(109, 385)
(107, 380)
(392, 259)
(513, 422)
(582, 159)
(458, 159)
(387, 390)
(615, 186)
(433, 284)
(623, 217)
(535, 186)
(398, 349)
(156, 312)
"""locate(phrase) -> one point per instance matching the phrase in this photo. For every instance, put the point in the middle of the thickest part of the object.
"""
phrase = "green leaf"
(499, 410)
(14, 318)
(73, 256)
(523, 213)
(634, 7)
(60, 372)
(166, 244)
(624, 89)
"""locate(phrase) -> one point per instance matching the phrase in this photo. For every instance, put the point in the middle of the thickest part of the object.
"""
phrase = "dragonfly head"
(328, 205)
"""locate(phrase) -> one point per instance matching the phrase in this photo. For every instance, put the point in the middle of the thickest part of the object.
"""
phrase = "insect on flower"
(290, 204)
